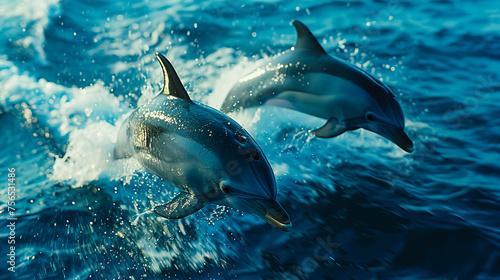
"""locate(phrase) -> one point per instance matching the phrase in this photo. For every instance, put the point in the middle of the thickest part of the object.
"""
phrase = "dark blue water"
(361, 208)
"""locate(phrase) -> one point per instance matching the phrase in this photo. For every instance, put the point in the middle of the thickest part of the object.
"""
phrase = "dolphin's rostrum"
(206, 154)
(307, 79)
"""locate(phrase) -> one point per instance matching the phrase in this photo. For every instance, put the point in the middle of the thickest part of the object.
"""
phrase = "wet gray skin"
(203, 152)
(308, 80)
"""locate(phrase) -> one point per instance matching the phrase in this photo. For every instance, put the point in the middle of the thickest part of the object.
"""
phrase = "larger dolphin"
(206, 154)
(307, 79)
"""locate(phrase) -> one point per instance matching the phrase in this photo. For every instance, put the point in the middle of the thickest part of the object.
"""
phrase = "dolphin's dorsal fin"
(184, 204)
(305, 39)
(172, 84)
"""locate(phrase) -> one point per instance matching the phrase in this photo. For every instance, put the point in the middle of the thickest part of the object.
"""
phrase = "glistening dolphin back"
(308, 80)
(206, 154)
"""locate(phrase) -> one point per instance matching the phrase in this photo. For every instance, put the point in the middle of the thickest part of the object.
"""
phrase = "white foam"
(28, 20)
(89, 155)
(227, 78)
(86, 116)
(90, 151)
(62, 108)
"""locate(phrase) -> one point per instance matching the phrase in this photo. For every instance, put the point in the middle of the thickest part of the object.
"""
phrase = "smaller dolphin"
(308, 80)
(206, 154)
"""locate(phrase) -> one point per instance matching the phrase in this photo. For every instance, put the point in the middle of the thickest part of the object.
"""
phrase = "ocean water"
(71, 71)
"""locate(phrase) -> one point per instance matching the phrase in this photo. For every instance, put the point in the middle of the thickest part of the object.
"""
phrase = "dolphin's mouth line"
(280, 225)
(270, 218)
(274, 219)
(395, 135)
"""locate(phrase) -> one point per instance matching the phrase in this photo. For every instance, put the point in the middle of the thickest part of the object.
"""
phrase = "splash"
(138, 216)
(89, 157)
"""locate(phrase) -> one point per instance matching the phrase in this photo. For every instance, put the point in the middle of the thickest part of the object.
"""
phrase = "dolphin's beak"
(268, 210)
(394, 134)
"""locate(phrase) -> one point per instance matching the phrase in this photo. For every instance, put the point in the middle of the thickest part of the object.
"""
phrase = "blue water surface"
(71, 71)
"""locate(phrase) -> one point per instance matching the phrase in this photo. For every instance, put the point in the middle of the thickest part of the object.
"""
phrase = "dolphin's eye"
(255, 155)
(242, 139)
(390, 93)
(370, 117)
(225, 188)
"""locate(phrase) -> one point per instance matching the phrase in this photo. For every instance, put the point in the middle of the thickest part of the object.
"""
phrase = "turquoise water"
(71, 71)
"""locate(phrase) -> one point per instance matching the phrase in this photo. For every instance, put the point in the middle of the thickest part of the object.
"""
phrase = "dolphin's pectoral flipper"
(184, 204)
(333, 127)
